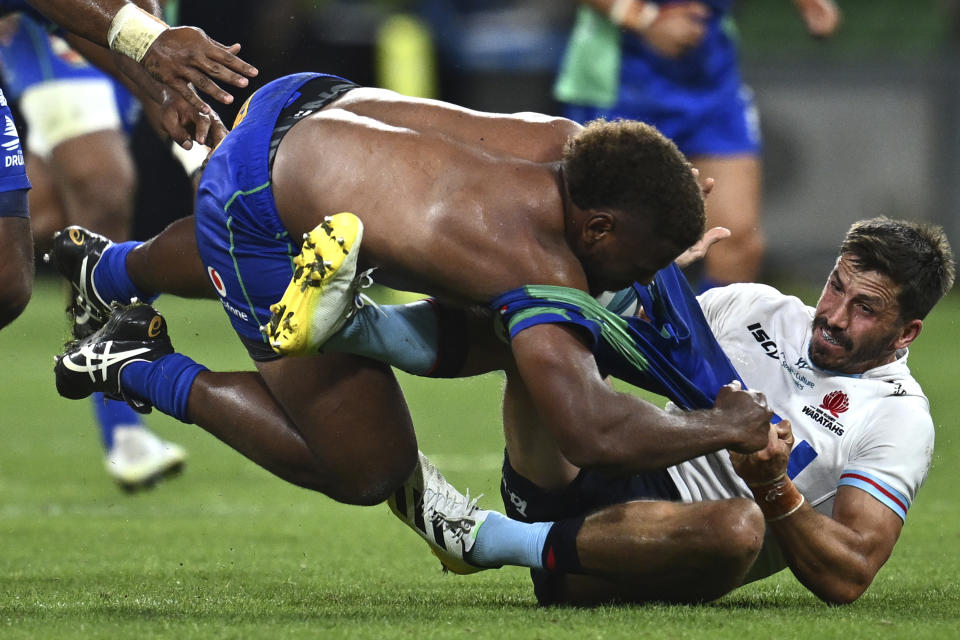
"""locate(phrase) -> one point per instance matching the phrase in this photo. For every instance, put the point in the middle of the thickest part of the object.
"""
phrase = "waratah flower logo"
(836, 402)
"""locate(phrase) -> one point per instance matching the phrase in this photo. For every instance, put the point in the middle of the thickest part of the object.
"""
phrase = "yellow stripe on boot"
(321, 296)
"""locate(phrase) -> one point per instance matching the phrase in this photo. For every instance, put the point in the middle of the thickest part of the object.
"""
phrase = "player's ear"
(597, 226)
(908, 333)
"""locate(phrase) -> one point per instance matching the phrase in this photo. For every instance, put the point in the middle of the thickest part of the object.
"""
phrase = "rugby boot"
(322, 295)
(131, 333)
(445, 518)
(75, 254)
(139, 459)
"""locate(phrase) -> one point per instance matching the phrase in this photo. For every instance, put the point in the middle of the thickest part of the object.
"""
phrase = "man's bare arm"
(168, 112)
(183, 58)
(598, 427)
(89, 18)
(837, 558)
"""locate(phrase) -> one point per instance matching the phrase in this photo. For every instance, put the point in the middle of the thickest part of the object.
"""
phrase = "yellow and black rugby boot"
(322, 294)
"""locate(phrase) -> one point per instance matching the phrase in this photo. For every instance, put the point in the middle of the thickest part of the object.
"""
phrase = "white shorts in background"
(57, 110)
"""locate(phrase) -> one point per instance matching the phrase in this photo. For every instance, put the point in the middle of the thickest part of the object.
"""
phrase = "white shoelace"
(449, 508)
(365, 281)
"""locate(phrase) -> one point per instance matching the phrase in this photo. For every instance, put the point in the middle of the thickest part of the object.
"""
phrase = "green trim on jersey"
(236, 267)
(613, 328)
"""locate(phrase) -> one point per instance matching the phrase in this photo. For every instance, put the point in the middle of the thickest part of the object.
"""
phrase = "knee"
(104, 197)
(744, 526)
(364, 482)
(15, 291)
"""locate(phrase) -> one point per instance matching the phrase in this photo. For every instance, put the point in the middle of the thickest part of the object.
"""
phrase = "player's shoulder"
(746, 295)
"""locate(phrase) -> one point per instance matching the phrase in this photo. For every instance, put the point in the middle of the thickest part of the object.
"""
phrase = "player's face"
(630, 254)
(627, 263)
(857, 324)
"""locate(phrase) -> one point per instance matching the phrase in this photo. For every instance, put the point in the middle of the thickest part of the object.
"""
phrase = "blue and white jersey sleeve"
(890, 460)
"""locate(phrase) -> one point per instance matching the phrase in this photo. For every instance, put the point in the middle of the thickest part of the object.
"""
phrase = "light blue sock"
(501, 541)
(403, 336)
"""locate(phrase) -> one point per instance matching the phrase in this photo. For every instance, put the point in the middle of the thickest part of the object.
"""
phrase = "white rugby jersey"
(872, 431)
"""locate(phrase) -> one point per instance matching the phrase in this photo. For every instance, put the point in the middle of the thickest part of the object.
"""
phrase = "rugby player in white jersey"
(827, 497)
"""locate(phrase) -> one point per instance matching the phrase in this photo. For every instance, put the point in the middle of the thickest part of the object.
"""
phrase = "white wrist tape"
(133, 30)
(620, 12)
(648, 13)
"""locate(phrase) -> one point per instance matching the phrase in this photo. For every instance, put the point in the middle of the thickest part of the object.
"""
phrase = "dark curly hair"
(915, 255)
(632, 168)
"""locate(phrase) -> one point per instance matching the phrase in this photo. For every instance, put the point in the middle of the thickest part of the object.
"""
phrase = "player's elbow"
(841, 596)
(844, 591)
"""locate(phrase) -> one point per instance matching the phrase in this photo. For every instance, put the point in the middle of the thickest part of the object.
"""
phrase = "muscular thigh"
(350, 411)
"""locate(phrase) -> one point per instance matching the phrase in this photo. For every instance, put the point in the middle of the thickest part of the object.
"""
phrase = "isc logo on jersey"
(827, 414)
(12, 153)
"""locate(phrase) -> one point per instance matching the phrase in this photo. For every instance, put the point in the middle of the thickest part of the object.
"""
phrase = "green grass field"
(229, 551)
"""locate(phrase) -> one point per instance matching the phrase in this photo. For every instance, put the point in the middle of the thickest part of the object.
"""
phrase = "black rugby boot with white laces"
(132, 333)
(75, 254)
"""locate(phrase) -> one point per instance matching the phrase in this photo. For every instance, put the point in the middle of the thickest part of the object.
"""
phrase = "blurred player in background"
(174, 61)
(674, 65)
(78, 159)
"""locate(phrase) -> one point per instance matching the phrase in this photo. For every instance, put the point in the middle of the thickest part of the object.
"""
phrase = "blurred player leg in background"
(687, 84)
(77, 123)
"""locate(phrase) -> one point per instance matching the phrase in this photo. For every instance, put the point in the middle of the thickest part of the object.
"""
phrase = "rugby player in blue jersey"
(75, 113)
(175, 58)
(674, 65)
(464, 205)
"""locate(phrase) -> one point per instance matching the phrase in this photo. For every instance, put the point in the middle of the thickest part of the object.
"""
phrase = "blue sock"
(112, 414)
(110, 279)
(165, 382)
(501, 541)
(404, 336)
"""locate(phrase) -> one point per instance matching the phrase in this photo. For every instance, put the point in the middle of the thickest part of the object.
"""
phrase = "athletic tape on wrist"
(778, 499)
(648, 14)
(133, 30)
(618, 11)
(641, 20)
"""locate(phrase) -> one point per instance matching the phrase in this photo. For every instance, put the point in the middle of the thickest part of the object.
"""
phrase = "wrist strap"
(778, 499)
(642, 16)
(133, 30)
